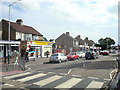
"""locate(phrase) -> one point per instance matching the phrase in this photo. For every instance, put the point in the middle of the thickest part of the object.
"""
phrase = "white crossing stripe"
(17, 75)
(31, 77)
(69, 83)
(48, 80)
(8, 85)
(95, 84)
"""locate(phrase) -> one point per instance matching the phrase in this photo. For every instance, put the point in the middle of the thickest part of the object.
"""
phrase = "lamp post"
(107, 44)
(9, 31)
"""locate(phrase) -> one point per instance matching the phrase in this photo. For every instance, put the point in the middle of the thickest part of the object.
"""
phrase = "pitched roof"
(81, 42)
(91, 42)
(24, 29)
(67, 36)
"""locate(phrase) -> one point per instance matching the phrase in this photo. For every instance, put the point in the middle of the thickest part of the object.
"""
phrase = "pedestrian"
(16, 57)
(26, 56)
(22, 60)
(47, 53)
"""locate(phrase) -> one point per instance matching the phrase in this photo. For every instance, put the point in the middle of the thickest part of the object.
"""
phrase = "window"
(28, 36)
(35, 38)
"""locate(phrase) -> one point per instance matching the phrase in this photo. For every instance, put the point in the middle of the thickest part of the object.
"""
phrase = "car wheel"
(96, 57)
(50, 61)
(81, 56)
(59, 61)
(66, 60)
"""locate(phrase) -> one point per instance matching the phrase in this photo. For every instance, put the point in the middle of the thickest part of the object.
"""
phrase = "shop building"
(36, 48)
(4, 48)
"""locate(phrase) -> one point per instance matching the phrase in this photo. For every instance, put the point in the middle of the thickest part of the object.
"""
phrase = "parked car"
(58, 57)
(105, 52)
(112, 51)
(101, 52)
(81, 54)
(91, 55)
(72, 56)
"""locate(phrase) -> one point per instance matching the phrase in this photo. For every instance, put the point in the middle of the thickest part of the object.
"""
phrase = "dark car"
(72, 56)
(91, 55)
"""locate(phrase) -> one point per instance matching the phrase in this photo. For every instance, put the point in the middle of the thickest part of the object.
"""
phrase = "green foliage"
(106, 42)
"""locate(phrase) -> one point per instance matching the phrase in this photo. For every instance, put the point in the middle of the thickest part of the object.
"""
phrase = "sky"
(94, 19)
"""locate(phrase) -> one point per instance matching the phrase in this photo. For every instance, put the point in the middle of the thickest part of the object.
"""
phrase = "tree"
(106, 43)
(45, 39)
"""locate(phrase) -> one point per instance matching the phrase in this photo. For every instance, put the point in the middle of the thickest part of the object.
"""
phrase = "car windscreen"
(71, 54)
(55, 55)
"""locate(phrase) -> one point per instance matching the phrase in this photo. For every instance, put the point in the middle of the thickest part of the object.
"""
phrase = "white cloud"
(92, 18)
(91, 13)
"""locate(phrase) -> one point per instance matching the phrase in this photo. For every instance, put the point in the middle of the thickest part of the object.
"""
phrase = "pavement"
(9, 69)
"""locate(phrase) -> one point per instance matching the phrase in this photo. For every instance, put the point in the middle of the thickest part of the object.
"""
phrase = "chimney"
(19, 21)
(86, 38)
(67, 33)
(79, 36)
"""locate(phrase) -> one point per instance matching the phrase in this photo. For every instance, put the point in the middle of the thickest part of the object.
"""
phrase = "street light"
(9, 31)
(107, 44)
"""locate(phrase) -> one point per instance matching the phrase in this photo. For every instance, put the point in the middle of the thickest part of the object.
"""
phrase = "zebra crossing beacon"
(4, 49)
(36, 48)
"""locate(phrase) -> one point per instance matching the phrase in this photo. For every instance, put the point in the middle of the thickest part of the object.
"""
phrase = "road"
(72, 74)
(99, 68)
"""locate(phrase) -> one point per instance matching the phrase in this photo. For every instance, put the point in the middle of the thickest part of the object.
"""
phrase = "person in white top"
(16, 56)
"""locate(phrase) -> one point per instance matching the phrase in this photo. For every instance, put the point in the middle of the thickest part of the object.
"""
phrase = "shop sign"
(43, 43)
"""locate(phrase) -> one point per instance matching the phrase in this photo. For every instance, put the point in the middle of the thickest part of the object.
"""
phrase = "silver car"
(58, 57)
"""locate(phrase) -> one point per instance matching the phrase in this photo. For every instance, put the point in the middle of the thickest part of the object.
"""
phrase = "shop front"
(4, 48)
(37, 48)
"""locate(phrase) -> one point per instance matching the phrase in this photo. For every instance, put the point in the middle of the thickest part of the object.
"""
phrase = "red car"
(105, 52)
(72, 56)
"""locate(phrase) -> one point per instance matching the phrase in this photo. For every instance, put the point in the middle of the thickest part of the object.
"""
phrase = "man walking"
(22, 60)
(47, 53)
(26, 56)
(16, 56)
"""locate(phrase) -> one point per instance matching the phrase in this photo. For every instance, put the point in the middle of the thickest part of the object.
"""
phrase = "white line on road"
(111, 73)
(76, 75)
(34, 64)
(8, 84)
(31, 77)
(69, 71)
(51, 72)
(17, 75)
(93, 77)
(63, 73)
(48, 80)
(95, 84)
(69, 83)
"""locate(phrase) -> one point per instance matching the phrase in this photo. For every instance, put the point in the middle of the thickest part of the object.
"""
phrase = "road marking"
(48, 80)
(51, 72)
(8, 84)
(93, 77)
(114, 71)
(34, 64)
(31, 77)
(69, 71)
(63, 73)
(84, 65)
(69, 83)
(76, 75)
(18, 75)
(107, 79)
(95, 84)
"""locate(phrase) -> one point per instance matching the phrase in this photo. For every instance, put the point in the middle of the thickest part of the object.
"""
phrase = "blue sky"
(89, 18)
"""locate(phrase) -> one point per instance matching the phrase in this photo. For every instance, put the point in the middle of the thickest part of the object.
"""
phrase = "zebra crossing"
(52, 80)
